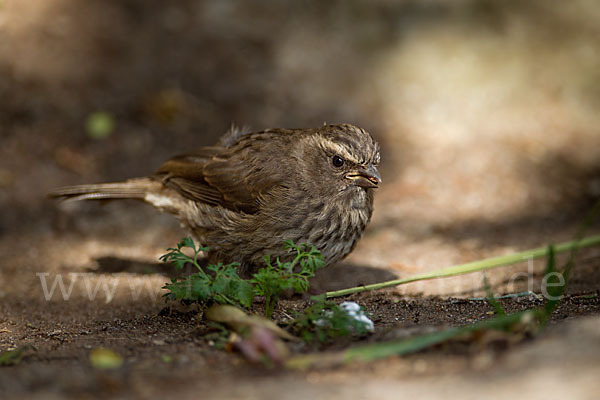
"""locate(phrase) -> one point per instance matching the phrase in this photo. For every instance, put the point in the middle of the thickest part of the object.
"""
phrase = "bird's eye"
(337, 161)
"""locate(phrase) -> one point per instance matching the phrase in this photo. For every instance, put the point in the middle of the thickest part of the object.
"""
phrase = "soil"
(170, 352)
(494, 153)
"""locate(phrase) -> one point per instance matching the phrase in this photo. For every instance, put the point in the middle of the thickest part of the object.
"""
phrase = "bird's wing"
(233, 177)
(185, 173)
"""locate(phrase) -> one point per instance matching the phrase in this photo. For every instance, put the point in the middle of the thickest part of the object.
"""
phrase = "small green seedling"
(272, 280)
(222, 284)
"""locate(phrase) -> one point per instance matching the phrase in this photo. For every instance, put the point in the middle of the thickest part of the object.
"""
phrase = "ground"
(487, 117)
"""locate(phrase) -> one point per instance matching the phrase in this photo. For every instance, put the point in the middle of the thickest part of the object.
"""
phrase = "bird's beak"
(367, 177)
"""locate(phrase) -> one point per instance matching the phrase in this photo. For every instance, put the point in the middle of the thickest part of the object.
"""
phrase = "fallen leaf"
(256, 336)
(239, 320)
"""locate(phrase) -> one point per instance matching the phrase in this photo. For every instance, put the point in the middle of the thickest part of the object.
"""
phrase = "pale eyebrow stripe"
(339, 150)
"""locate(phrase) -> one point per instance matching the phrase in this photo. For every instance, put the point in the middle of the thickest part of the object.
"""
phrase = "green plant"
(324, 320)
(223, 285)
(272, 280)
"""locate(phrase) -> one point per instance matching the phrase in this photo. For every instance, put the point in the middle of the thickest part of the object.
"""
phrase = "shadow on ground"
(340, 276)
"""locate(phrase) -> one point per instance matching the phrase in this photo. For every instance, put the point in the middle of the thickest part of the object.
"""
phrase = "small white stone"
(350, 306)
(353, 310)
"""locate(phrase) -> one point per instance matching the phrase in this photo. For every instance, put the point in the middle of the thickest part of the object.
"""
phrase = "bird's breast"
(340, 225)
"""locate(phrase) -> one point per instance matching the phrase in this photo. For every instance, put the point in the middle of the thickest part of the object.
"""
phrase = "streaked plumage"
(246, 196)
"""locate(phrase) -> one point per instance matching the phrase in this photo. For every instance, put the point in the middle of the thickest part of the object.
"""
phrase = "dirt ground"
(487, 117)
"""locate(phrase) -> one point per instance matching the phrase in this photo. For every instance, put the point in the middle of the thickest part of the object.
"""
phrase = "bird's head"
(346, 156)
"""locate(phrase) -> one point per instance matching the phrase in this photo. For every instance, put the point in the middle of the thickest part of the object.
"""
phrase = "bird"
(252, 191)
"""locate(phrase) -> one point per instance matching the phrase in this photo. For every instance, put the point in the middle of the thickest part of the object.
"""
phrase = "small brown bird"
(248, 194)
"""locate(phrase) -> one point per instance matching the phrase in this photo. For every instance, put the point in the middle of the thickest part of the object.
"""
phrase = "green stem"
(269, 306)
(475, 266)
(196, 260)
(295, 261)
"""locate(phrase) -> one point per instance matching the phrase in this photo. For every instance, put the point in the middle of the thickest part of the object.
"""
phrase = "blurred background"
(486, 111)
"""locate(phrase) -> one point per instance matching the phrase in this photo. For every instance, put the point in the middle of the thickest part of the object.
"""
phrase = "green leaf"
(244, 291)
(220, 284)
(200, 290)
(224, 286)
(187, 242)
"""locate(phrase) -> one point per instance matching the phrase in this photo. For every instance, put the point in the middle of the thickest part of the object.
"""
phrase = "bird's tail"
(137, 188)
